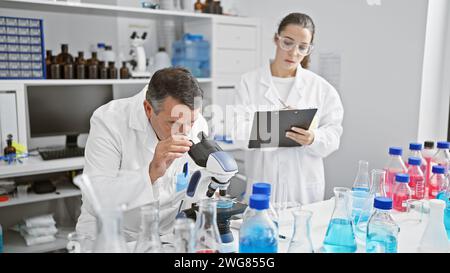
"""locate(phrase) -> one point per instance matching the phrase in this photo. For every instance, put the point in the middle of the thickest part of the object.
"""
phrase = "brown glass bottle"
(198, 6)
(102, 71)
(64, 57)
(112, 71)
(48, 63)
(208, 7)
(80, 66)
(55, 70)
(68, 71)
(124, 72)
(93, 66)
(9, 149)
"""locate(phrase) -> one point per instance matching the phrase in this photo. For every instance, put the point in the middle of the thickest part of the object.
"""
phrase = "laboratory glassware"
(438, 181)
(402, 192)
(207, 237)
(109, 236)
(148, 239)
(301, 237)
(362, 182)
(395, 165)
(184, 235)
(434, 239)
(382, 230)
(416, 178)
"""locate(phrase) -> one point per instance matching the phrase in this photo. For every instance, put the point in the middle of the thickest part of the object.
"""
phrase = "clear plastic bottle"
(382, 230)
(109, 237)
(301, 238)
(266, 189)
(362, 182)
(402, 192)
(445, 196)
(184, 235)
(415, 150)
(438, 181)
(207, 237)
(148, 239)
(416, 178)
(442, 156)
(340, 237)
(395, 165)
(258, 234)
(434, 239)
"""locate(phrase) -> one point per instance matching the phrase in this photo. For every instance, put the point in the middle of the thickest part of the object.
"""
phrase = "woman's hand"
(301, 136)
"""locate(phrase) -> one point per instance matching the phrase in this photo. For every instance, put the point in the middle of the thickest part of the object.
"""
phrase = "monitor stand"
(71, 141)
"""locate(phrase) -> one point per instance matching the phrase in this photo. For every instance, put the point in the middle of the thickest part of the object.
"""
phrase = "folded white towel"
(39, 221)
(32, 240)
(38, 231)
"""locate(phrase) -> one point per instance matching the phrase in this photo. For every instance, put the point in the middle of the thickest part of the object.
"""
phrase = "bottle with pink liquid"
(401, 192)
(428, 153)
(395, 165)
(442, 156)
(438, 181)
(416, 178)
(415, 150)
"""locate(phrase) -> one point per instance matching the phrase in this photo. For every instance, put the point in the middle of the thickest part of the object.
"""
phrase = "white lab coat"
(297, 173)
(122, 140)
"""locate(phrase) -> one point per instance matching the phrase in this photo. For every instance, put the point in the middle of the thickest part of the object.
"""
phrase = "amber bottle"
(198, 6)
(124, 72)
(102, 71)
(93, 66)
(48, 63)
(55, 69)
(112, 71)
(9, 149)
(80, 66)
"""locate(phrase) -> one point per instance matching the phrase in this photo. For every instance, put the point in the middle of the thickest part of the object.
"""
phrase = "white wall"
(381, 49)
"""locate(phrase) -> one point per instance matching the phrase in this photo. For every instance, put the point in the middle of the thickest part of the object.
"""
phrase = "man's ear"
(148, 109)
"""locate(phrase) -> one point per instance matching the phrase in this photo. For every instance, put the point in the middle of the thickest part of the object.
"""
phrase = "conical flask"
(340, 237)
(148, 239)
(184, 235)
(109, 236)
(434, 239)
(207, 237)
(301, 238)
(362, 181)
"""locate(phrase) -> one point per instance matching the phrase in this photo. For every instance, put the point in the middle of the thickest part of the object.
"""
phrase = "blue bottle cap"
(261, 188)
(383, 203)
(443, 145)
(438, 169)
(414, 161)
(259, 201)
(415, 146)
(402, 178)
(395, 151)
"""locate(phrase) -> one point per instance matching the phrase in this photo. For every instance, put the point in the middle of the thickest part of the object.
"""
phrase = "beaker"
(148, 239)
(301, 238)
(207, 237)
(184, 235)
(340, 237)
(109, 237)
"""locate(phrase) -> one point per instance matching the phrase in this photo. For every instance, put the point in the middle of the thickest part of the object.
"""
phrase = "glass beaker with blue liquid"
(340, 237)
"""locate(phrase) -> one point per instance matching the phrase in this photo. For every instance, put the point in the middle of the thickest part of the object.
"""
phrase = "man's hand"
(301, 136)
(165, 153)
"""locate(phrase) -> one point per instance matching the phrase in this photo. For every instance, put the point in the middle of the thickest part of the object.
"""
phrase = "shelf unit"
(87, 82)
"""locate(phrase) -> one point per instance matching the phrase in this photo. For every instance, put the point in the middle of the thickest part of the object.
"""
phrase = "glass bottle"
(109, 232)
(258, 234)
(93, 66)
(208, 7)
(80, 63)
(55, 70)
(198, 6)
(64, 57)
(266, 189)
(207, 237)
(438, 181)
(415, 150)
(184, 235)
(442, 156)
(48, 63)
(428, 153)
(68, 71)
(402, 192)
(124, 72)
(112, 71)
(102, 70)
(9, 149)
(395, 165)
(416, 178)
(362, 182)
(340, 237)
(434, 239)
(148, 239)
(382, 230)
(445, 196)
(301, 238)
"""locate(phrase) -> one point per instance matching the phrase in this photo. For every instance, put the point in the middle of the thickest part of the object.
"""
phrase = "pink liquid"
(437, 183)
(417, 185)
(390, 180)
(207, 251)
(427, 173)
(400, 201)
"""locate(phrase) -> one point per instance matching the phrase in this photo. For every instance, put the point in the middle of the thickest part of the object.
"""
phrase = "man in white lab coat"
(144, 140)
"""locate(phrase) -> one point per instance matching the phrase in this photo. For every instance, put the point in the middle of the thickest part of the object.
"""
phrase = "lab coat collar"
(139, 121)
(271, 94)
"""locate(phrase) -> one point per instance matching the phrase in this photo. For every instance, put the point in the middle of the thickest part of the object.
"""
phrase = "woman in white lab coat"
(296, 173)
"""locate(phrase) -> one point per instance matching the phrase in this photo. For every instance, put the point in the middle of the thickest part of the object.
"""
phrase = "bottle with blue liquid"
(360, 190)
(445, 196)
(340, 237)
(258, 233)
(382, 230)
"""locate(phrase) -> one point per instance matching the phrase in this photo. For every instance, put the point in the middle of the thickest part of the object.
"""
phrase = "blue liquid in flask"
(377, 243)
(340, 237)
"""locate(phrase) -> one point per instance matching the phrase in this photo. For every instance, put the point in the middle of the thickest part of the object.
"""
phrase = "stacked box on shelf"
(21, 48)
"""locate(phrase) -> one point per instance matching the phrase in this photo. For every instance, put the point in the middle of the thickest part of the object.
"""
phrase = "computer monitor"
(64, 110)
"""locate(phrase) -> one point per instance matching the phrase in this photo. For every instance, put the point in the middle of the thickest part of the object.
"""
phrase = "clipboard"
(266, 134)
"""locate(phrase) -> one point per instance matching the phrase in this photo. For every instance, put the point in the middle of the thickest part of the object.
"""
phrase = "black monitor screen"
(64, 110)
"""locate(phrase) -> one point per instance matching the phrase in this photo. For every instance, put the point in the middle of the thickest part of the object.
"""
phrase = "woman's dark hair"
(303, 21)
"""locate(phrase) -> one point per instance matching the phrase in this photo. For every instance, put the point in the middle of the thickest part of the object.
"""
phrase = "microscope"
(139, 61)
(218, 167)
